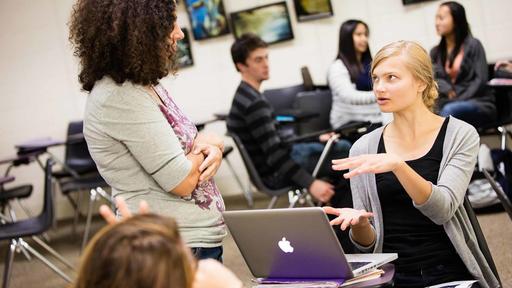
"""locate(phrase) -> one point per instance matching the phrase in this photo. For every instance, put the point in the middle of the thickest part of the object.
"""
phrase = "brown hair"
(419, 64)
(142, 251)
(243, 46)
(124, 39)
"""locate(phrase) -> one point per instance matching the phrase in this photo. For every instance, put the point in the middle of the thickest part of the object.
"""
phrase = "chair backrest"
(318, 101)
(251, 169)
(307, 81)
(482, 243)
(77, 156)
(283, 98)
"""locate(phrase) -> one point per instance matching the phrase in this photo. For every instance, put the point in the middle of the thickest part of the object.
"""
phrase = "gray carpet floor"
(496, 226)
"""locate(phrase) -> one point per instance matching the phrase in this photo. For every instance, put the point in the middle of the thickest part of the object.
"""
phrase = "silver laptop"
(296, 243)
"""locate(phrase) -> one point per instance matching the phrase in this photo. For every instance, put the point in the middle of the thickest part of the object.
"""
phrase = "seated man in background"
(251, 119)
(503, 69)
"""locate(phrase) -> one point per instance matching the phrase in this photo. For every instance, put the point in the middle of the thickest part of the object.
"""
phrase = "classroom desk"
(6, 179)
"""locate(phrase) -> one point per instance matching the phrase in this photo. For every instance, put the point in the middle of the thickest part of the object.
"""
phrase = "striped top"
(251, 119)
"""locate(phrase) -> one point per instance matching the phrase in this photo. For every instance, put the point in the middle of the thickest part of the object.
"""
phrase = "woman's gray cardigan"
(445, 205)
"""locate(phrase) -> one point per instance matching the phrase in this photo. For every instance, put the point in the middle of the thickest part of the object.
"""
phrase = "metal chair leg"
(247, 191)
(9, 259)
(45, 261)
(272, 202)
(92, 199)
(53, 252)
(77, 212)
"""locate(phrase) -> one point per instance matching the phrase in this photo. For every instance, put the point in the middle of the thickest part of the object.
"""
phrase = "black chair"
(482, 243)
(79, 173)
(295, 194)
(282, 99)
(14, 231)
(503, 97)
(227, 151)
(245, 189)
(319, 101)
(502, 196)
(307, 80)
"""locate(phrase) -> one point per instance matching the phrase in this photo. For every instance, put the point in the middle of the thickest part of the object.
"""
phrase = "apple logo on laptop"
(285, 245)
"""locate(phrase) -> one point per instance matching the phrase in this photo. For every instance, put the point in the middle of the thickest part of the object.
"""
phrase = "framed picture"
(270, 22)
(407, 2)
(207, 18)
(312, 9)
(185, 51)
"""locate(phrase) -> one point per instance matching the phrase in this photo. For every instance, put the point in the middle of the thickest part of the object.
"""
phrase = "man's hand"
(321, 190)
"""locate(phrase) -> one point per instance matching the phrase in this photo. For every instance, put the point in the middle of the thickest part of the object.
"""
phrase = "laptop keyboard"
(356, 265)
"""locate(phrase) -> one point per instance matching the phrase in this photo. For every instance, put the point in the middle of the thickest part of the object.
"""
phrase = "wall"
(40, 94)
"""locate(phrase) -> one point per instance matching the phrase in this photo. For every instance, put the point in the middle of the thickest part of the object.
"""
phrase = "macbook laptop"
(296, 243)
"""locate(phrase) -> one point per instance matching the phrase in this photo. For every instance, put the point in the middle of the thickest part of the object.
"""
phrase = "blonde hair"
(142, 251)
(417, 61)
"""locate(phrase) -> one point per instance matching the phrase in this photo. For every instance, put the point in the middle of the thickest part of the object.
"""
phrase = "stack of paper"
(265, 283)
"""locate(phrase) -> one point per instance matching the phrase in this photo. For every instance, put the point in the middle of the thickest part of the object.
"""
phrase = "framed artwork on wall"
(312, 9)
(407, 2)
(207, 18)
(270, 22)
(185, 58)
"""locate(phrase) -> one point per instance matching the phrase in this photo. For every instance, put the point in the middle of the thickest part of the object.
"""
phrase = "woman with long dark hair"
(349, 78)
(143, 144)
(461, 69)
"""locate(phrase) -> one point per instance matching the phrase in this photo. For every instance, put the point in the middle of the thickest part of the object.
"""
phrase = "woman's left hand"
(212, 161)
(368, 163)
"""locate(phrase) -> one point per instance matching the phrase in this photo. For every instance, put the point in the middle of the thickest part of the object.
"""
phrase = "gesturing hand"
(211, 163)
(348, 217)
(368, 163)
(110, 216)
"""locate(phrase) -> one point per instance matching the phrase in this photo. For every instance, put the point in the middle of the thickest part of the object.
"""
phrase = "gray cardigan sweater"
(445, 205)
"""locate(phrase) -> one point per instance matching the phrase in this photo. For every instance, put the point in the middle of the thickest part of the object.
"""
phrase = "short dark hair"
(126, 40)
(244, 45)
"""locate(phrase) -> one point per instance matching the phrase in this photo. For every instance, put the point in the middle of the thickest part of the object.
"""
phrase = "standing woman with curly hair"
(144, 146)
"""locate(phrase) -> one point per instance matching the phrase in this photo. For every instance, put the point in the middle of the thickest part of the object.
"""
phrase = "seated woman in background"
(349, 77)
(461, 69)
(146, 250)
(143, 144)
(409, 178)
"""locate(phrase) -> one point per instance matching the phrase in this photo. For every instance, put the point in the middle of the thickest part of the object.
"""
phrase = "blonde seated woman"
(409, 178)
(146, 250)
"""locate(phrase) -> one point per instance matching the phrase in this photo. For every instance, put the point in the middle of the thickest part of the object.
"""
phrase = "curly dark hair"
(124, 39)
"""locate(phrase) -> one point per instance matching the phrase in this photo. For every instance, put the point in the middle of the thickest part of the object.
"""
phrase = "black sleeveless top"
(420, 243)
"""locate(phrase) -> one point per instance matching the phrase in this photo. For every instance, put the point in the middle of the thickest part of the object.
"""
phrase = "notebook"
(298, 243)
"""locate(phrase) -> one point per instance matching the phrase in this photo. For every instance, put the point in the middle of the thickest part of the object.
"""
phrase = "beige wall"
(39, 92)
